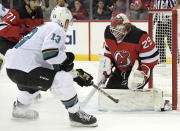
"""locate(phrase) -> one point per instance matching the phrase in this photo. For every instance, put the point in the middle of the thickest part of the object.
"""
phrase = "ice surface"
(54, 117)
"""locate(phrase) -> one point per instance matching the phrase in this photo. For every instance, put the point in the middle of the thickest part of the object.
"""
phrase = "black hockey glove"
(83, 79)
(67, 65)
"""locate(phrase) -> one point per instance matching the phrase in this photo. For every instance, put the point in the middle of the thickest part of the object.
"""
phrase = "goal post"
(163, 27)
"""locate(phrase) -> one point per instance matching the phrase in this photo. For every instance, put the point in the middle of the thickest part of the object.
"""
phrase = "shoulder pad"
(134, 35)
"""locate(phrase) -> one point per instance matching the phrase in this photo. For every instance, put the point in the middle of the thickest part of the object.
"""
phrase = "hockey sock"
(72, 104)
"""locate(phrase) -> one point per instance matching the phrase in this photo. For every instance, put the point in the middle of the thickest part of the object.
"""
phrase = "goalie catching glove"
(67, 65)
(137, 79)
(83, 78)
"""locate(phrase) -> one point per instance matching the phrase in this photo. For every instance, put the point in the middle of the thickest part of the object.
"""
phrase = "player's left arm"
(142, 69)
(148, 54)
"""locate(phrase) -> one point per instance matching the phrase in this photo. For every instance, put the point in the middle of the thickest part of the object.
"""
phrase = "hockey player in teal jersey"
(39, 62)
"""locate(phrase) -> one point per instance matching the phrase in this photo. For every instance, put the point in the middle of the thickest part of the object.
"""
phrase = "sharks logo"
(122, 58)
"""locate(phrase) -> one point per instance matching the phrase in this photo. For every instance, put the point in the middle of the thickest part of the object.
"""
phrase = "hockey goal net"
(164, 28)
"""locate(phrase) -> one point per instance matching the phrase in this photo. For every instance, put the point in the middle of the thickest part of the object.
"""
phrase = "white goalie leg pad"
(158, 99)
(104, 66)
(132, 100)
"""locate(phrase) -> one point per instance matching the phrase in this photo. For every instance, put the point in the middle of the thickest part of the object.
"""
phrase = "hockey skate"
(167, 106)
(21, 111)
(82, 119)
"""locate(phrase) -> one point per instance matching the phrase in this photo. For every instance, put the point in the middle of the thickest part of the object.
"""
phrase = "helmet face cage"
(119, 31)
(119, 26)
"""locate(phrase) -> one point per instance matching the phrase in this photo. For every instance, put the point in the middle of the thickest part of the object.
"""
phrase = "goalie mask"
(120, 26)
(62, 16)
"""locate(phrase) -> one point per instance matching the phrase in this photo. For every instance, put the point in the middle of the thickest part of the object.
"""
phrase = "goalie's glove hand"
(83, 78)
(67, 65)
(137, 78)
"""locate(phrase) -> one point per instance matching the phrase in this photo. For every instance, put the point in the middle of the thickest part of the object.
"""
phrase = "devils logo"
(122, 58)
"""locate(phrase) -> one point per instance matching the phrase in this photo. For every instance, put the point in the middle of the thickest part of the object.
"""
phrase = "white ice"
(54, 117)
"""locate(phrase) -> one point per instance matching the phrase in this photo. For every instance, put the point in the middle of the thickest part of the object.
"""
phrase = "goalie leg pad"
(104, 69)
(132, 100)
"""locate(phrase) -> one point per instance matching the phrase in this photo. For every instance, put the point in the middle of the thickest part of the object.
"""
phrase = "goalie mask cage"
(164, 29)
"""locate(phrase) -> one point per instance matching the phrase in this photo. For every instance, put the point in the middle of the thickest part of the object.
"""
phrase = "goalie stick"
(106, 94)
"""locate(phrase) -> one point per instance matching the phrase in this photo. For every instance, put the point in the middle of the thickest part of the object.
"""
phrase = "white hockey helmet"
(62, 16)
(120, 25)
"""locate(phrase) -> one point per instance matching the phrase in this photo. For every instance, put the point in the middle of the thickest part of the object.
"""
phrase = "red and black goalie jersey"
(18, 23)
(137, 45)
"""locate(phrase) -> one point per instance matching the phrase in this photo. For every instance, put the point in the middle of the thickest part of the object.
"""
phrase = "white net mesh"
(163, 27)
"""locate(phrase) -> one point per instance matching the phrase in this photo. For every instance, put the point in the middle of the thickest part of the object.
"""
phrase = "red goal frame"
(174, 51)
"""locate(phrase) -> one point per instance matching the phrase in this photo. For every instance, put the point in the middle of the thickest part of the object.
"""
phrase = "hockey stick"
(98, 88)
(89, 96)
(106, 94)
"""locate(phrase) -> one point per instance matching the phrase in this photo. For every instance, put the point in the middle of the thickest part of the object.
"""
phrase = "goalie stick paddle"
(106, 94)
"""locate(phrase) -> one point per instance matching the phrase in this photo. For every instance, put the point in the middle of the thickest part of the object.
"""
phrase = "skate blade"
(77, 124)
(25, 116)
(22, 119)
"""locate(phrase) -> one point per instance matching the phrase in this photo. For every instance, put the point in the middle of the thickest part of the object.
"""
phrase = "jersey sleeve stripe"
(3, 25)
(107, 49)
(50, 53)
(150, 60)
(150, 56)
(148, 53)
